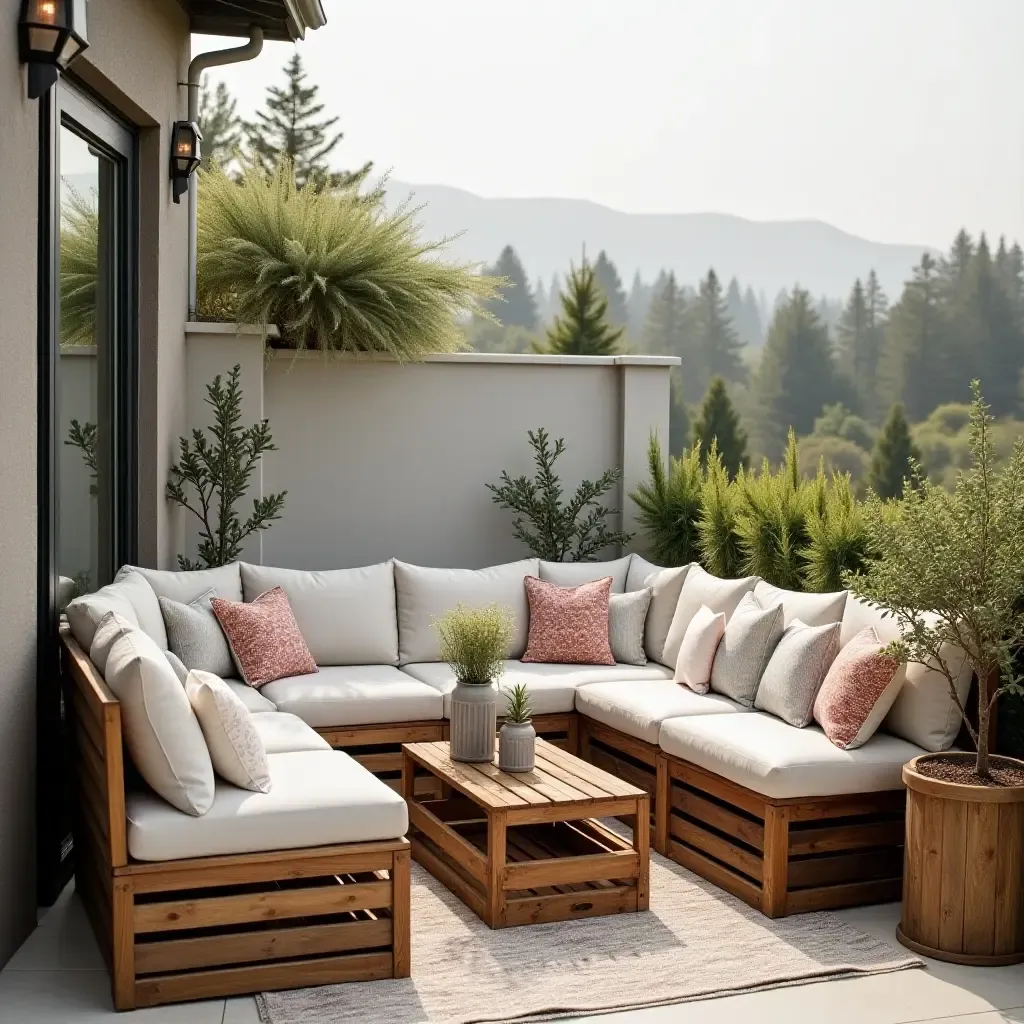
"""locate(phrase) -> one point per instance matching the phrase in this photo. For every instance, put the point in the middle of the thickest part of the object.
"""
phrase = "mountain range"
(548, 234)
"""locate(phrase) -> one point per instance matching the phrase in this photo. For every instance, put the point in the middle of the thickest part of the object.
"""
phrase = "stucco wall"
(385, 460)
(138, 53)
(19, 130)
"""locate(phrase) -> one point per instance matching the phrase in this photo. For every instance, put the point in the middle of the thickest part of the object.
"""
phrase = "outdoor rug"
(696, 942)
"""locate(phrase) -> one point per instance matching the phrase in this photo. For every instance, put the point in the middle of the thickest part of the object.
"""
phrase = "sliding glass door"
(87, 398)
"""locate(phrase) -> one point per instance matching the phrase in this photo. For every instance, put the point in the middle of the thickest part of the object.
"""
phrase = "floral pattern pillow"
(569, 625)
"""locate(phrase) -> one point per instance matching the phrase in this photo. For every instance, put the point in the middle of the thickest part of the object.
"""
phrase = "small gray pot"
(474, 721)
(517, 747)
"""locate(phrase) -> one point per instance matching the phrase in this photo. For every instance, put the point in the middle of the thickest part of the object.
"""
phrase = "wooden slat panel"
(113, 751)
(626, 770)
(94, 837)
(855, 866)
(175, 915)
(570, 906)
(553, 769)
(979, 893)
(379, 762)
(570, 870)
(735, 857)
(434, 860)
(464, 853)
(854, 894)
(88, 719)
(951, 893)
(92, 764)
(722, 818)
(536, 787)
(587, 771)
(890, 802)
(931, 866)
(912, 905)
(456, 808)
(605, 836)
(434, 756)
(245, 947)
(367, 735)
(731, 881)
(570, 811)
(846, 837)
(638, 749)
(262, 978)
(721, 789)
(1009, 917)
(401, 913)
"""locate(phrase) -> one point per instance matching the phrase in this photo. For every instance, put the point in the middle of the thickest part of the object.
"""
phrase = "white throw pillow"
(160, 729)
(697, 649)
(130, 595)
(701, 588)
(574, 574)
(237, 752)
(363, 599)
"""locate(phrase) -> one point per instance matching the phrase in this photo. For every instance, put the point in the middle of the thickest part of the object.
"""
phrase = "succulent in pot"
(517, 741)
(950, 568)
(475, 642)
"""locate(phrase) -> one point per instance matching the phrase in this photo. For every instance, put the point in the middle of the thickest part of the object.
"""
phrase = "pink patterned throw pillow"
(569, 624)
(264, 637)
(858, 691)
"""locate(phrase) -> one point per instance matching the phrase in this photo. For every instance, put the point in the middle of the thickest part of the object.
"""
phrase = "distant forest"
(837, 372)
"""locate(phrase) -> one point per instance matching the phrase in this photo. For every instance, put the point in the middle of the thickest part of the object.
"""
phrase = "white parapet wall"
(383, 459)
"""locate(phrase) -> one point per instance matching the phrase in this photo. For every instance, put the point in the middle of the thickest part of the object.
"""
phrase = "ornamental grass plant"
(475, 641)
(333, 269)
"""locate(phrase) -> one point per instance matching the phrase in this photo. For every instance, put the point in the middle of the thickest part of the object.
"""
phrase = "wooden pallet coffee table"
(527, 848)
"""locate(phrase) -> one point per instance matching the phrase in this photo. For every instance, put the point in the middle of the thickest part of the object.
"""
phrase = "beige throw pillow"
(698, 647)
(235, 746)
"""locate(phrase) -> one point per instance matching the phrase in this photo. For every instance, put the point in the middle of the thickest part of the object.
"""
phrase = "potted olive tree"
(950, 567)
(517, 741)
(475, 643)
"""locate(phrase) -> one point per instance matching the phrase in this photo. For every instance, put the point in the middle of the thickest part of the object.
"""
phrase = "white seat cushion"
(363, 599)
(250, 696)
(552, 687)
(286, 734)
(639, 708)
(355, 695)
(810, 609)
(767, 755)
(316, 798)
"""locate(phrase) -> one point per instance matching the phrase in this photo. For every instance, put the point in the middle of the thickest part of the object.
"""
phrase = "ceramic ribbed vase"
(473, 723)
(517, 747)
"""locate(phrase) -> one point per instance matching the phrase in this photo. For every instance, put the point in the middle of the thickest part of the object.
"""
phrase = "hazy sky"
(898, 120)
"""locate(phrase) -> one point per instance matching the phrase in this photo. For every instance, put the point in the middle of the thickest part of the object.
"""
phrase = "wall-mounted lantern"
(51, 34)
(185, 155)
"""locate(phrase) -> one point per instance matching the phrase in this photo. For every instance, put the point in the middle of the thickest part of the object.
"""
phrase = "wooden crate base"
(781, 856)
(624, 756)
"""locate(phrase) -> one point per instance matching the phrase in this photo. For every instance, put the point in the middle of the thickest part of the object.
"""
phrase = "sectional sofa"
(774, 814)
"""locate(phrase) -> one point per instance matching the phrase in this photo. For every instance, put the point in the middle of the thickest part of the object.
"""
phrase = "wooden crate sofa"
(774, 814)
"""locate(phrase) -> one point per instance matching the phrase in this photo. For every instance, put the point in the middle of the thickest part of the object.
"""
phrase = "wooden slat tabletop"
(559, 778)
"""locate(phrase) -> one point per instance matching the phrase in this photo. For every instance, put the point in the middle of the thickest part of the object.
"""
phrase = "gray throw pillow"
(627, 614)
(750, 638)
(796, 671)
(195, 636)
(179, 667)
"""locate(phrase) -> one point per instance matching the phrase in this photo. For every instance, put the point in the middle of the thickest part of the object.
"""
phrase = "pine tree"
(719, 422)
(220, 125)
(290, 128)
(752, 330)
(711, 347)
(607, 276)
(518, 308)
(550, 311)
(678, 417)
(895, 451)
(663, 325)
(639, 300)
(582, 329)
(876, 305)
(540, 298)
(734, 305)
(796, 376)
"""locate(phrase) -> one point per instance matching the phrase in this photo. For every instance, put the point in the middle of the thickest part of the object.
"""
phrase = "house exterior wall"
(384, 460)
(138, 53)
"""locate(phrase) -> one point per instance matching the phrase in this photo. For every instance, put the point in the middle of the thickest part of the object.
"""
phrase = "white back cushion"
(701, 588)
(131, 596)
(810, 609)
(160, 729)
(186, 586)
(425, 594)
(573, 574)
(924, 712)
(346, 616)
(640, 572)
(665, 585)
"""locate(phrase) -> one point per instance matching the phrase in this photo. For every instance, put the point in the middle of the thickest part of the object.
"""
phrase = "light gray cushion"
(666, 586)
(186, 586)
(316, 798)
(701, 588)
(572, 574)
(131, 596)
(346, 616)
(765, 754)
(425, 594)
(343, 695)
(641, 572)
(161, 731)
(627, 617)
(795, 671)
(810, 609)
(552, 687)
(750, 638)
(639, 708)
(195, 636)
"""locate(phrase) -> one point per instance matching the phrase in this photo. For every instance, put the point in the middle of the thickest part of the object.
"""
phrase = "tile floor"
(58, 977)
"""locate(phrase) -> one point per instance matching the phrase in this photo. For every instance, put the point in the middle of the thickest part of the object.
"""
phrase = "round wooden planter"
(963, 878)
